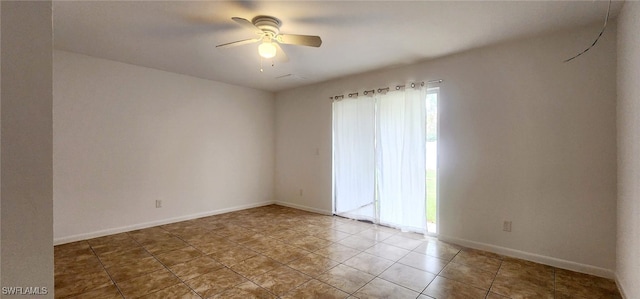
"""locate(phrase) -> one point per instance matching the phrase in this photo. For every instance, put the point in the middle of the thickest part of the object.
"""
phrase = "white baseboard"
(116, 230)
(304, 208)
(621, 288)
(551, 261)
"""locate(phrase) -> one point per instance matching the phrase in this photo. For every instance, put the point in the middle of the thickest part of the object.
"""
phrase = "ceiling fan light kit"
(267, 50)
(268, 30)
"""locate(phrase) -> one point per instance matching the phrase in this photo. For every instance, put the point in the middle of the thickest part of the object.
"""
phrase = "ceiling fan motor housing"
(268, 24)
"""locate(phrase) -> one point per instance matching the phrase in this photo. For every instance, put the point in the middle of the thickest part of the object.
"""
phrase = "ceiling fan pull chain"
(261, 70)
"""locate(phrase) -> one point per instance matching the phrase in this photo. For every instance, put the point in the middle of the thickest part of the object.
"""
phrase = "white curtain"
(380, 158)
(354, 166)
(401, 159)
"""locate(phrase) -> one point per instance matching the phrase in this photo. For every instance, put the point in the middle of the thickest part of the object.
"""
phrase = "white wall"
(523, 137)
(125, 136)
(628, 258)
(26, 146)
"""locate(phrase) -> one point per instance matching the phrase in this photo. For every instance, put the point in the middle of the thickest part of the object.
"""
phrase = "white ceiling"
(358, 36)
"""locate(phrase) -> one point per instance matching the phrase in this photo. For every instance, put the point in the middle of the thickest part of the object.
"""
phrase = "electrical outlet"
(158, 203)
(506, 226)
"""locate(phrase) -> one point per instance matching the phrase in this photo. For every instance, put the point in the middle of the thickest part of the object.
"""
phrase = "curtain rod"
(372, 91)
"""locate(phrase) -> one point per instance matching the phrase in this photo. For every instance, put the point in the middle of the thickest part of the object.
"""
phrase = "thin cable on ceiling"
(601, 32)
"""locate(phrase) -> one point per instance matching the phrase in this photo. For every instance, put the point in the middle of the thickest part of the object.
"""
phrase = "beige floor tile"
(195, 267)
(580, 282)
(530, 274)
(313, 264)
(134, 269)
(108, 292)
(230, 229)
(263, 244)
(70, 248)
(351, 227)
(477, 260)
(72, 253)
(110, 239)
(423, 262)
(315, 289)
(243, 237)
(233, 256)
(286, 235)
(438, 249)
(337, 252)
(255, 266)
(244, 291)
(375, 234)
(148, 283)
(413, 235)
(285, 253)
(281, 280)
(209, 247)
(180, 290)
(517, 288)
(86, 265)
(404, 242)
(387, 251)
(178, 256)
(468, 275)
(215, 282)
(331, 235)
(259, 242)
(346, 278)
(484, 253)
(78, 283)
(167, 245)
(310, 243)
(369, 263)
(204, 239)
(588, 290)
(380, 288)
(116, 258)
(492, 295)
(113, 243)
(408, 277)
(357, 242)
(442, 287)
(143, 236)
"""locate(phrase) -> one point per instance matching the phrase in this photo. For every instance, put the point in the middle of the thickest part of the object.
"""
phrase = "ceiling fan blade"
(247, 24)
(239, 43)
(284, 76)
(302, 40)
(292, 76)
(281, 56)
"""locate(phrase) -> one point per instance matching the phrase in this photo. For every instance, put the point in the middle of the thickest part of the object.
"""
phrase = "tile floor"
(278, 252)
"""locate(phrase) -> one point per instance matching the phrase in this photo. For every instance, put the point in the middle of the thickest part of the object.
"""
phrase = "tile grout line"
(105, 270)
(494, 279)
(438, 274)
(554, 283)
(167, 268)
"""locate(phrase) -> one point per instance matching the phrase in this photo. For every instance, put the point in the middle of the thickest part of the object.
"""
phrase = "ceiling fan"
(268, 30)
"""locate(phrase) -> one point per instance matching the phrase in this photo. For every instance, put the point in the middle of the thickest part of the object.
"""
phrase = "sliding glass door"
(432, 159)
(382, 162)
